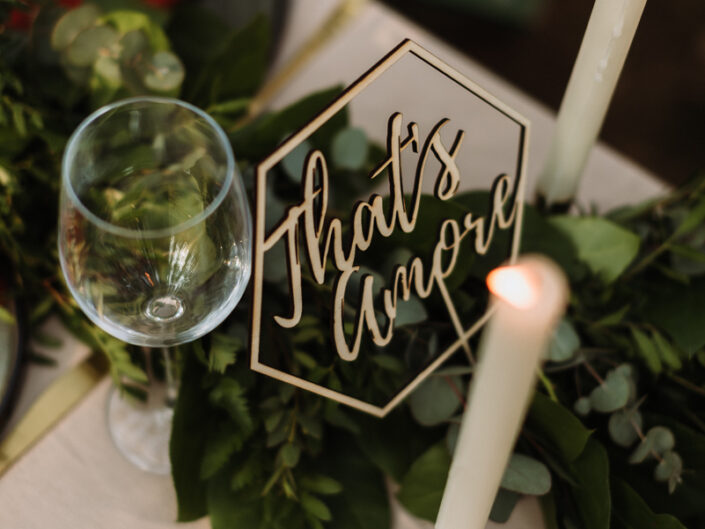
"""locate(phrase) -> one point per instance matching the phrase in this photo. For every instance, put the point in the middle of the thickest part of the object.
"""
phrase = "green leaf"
(623, 426)
(647, 350)
(187, 449)
(503, 505)
(163, 73)
(388, 362)
(422, 488)
(605, 247)
(321, 484)
(612, 394)
(435, 401)
(293, 163)
(6, 316)
(565, 342)
(410, 312)
(526, 475)
(223, 351)
(290, 454)
(315, 507)
(219, 448)
(394, 443)
(228, 509)
(632, 511)
(126, 21)
(364, 502)
(558, 427)
(230, 396)
(89, 44)
(582, 406)
(592, 493)
(679, 310)
(238, 65)
(658, 439)
(667, 351)
(72, 23)
(669, 469)
(260, 137)
(349, 149)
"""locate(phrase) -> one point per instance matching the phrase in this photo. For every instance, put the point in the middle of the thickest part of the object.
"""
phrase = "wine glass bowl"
(155, 229)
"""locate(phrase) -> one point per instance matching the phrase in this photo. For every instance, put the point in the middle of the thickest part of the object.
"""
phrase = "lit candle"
(604, 49)
(529, 299)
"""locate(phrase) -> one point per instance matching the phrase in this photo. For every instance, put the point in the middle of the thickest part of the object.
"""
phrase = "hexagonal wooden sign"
(360, 297)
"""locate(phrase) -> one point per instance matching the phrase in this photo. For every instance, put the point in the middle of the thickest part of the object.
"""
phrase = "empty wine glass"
(154, 241)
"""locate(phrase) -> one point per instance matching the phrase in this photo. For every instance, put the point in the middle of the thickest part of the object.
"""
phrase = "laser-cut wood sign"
(428, 146)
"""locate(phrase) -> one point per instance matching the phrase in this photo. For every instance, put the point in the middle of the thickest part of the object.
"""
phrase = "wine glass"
(154, 242)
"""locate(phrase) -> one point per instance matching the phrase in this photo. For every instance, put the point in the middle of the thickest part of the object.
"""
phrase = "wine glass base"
(141, 431)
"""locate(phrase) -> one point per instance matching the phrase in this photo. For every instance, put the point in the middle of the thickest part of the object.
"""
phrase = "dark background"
(657, 116)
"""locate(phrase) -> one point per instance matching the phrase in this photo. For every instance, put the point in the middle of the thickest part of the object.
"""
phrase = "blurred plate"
(10, 355)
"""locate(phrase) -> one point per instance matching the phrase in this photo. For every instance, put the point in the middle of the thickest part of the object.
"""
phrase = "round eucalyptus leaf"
(582, 406)
(565, 342)
(623, 426)
(349, 149)
(72, 23)
(526, 475)
(91, 43)
(658, 439)
(293, 163)
(109, 70)
(612, 394)
(671, 464)
(163, 72)
(410, 312)
(435, 401)
(133, 44)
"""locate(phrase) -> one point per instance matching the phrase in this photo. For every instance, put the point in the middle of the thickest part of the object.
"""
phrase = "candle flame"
(515, 285)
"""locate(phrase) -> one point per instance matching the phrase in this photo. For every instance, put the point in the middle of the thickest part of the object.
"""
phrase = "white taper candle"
(607, 40)
(529, 299)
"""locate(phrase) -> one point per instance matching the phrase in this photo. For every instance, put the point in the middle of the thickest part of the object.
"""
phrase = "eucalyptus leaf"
(658, 440)
(612, 394)
(72, 23)
(90, 44)
(565, 342)
(435, 400)
(669, 469)
(163, 73)
(410, 312)
(349, 149)
(293, 163)
(623, 427)
(526, 475)
(582, 406)
(290, 454)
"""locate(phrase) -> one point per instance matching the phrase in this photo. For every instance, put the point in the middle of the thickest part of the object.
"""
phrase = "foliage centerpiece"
(616, 433)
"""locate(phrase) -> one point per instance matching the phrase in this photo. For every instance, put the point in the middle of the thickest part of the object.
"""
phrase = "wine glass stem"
(170, 377)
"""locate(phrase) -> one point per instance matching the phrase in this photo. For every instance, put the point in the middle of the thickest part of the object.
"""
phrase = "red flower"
(22, 20)
(164, 4)
(69, 4)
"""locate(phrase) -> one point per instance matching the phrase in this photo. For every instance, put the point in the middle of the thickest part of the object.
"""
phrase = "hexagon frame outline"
(404, 47)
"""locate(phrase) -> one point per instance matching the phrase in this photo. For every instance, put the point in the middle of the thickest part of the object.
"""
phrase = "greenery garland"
(615, 434)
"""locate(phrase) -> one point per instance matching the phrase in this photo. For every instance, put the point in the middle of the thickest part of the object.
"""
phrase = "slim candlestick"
(602, 54)
(529, 298)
